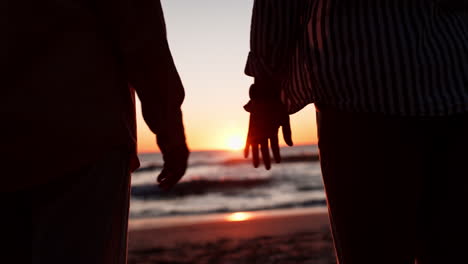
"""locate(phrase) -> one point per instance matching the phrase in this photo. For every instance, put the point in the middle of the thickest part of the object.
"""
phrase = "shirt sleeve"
(275, 29)
(139, 27)
(454, 5)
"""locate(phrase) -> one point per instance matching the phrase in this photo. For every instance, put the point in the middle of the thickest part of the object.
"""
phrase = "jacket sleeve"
(454, 5)
(140, 30)
(275, 29)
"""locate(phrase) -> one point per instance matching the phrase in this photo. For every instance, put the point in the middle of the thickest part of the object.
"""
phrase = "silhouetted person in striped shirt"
(389, 80)
(68, 136)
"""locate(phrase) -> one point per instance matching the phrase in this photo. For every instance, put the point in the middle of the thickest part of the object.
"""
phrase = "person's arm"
(276, 27)
(139, 28)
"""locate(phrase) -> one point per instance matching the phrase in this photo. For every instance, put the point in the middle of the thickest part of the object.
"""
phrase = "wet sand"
(279, 236)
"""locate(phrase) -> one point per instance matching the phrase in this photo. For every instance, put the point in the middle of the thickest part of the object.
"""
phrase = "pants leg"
(443, 218)
(383, 180)
(83, 217)
(371, 170)
(15, 223)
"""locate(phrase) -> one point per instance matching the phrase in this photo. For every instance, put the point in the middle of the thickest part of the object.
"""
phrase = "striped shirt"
(396, 57)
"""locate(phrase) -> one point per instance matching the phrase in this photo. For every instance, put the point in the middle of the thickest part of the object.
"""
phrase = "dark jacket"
(70, 69)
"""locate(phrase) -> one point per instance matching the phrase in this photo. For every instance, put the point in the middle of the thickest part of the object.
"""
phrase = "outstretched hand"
(175, 165)
(266, 116)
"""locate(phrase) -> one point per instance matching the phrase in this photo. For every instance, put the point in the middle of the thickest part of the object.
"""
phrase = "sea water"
(223, 181)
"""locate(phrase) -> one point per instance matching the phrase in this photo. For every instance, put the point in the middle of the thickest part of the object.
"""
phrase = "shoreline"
(181, 220)
(276, 236)
(151, 232)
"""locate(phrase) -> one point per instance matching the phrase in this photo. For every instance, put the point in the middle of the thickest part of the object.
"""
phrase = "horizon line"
(224, 150)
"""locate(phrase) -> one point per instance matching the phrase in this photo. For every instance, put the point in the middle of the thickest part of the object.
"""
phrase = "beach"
(224, 182)
(198, 222)
(275, 236)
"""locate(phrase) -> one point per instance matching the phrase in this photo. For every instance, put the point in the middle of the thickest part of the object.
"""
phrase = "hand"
(266, 116)
(175, 164)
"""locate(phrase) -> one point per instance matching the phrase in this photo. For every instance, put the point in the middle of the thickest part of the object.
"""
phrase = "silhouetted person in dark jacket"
(68, 137)
(389, 80)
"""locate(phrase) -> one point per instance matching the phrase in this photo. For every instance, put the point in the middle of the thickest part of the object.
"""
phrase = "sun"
(235, 142)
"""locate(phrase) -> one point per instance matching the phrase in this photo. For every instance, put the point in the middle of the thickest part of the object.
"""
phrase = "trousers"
(78, 218)
(397, 188)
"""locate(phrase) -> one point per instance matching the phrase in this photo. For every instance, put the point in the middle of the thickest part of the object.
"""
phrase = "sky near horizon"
(209, 40)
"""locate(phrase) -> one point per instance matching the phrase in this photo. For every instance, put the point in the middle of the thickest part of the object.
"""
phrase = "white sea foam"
(214, 185)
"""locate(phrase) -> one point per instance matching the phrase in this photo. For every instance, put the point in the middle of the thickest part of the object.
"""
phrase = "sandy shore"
(280, 236)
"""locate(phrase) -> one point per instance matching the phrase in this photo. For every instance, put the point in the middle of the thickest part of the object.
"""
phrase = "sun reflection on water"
(239, 217)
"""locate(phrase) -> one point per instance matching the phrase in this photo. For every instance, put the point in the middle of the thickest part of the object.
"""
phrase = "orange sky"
(209, 40)
(219, 133)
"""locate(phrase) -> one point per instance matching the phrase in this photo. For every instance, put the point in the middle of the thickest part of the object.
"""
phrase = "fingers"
(246, 149)
(275, 148)
(175, 165)
(287, 135)
(255, 156)
(247, 140)
(169, 178)
(162, 176)
(265, 154)
(164, 180)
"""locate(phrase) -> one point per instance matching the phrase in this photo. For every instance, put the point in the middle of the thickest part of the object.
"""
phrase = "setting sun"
(235, 143)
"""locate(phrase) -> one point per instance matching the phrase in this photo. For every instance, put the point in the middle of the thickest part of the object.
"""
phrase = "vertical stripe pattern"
(396, 57)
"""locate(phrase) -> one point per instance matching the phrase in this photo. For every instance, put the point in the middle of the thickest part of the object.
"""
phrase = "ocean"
(223, 182)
